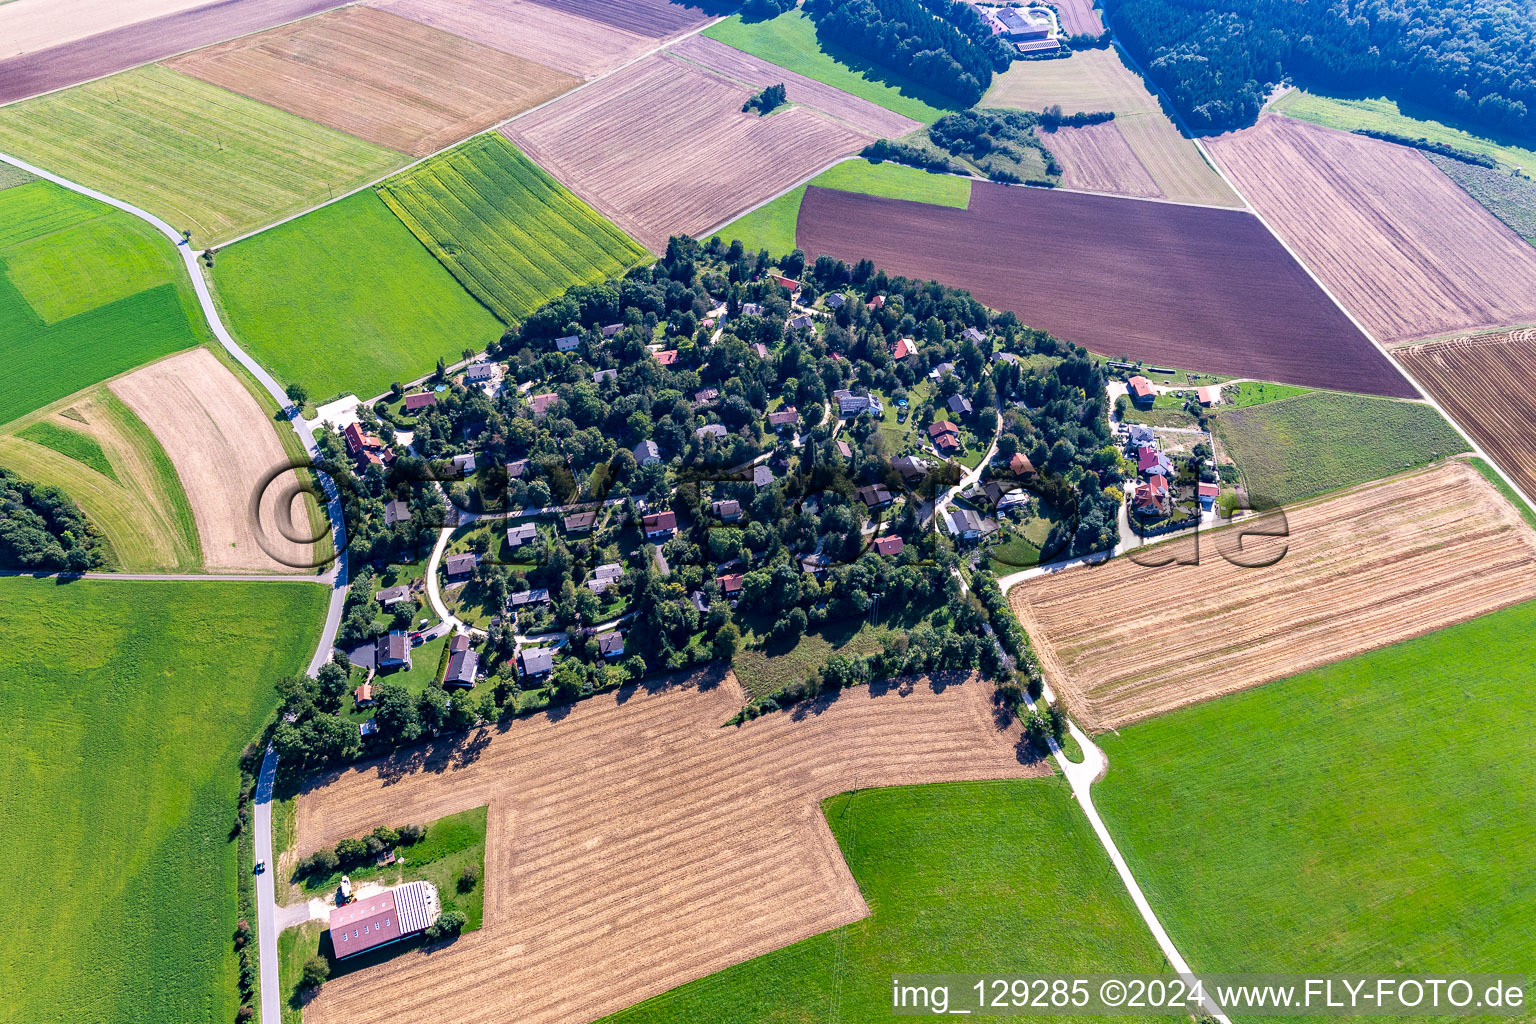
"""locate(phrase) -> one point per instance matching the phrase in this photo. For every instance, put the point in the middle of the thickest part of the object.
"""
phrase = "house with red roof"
(889, 545)
(659, 524)
(904, 347)
(1152, 498)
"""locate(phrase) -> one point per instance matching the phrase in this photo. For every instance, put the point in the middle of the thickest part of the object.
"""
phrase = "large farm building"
(385, 917)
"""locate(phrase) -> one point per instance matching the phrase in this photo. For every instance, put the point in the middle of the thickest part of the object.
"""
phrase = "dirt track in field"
(1401, 245)
(568, 42)
(1374, 566)
(807, 92)
(380, 77)
(1179, 285)
(1097, 158)
(636, 845)
(222, 444)
(679, 155)
(106, 52)
(1487, 384)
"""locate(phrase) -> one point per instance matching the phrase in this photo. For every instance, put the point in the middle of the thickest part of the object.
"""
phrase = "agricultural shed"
(385, 917)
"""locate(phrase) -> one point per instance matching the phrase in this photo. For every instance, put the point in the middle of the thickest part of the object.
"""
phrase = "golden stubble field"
(1486, 382)
(1375, 565)
(635, 844)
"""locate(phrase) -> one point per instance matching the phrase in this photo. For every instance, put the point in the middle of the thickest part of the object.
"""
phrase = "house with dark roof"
(463, 666)
(959, 405)
(391, 596)
(850, 404)
(522, 533)
(939, 371)
(972, 335)
(609, 330)
(1141, 435)
(762, 476)
(610, 644)
(580, 522)
(909, 467)
(800, 323)
(396, 512)
(785, 417)
(716, 430)
(875, 496)
(516, 469)
(524, 598)
(963, 524)
(836, 300)
(751, 309)
(460, 565)
(647, 452)
(537, 661)
(392, 650)
(728, 510)
(659, 524)
(705, 396)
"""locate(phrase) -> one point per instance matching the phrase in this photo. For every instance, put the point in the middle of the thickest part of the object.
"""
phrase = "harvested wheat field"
(1178, 285)
(680, 155)
(1097, 158)
(51, 49)
(655, 18)
(1486, 383)
(569, 42)
(1078, 17)
(380, 77)
(222, 445)
(1379, 564)
(732, 63)
(634, 840)
(1401, 245)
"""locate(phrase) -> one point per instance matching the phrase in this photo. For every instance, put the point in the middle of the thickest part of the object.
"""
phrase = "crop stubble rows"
(380, 77)
(1400, 244)
(648, 862)
(1486, 383)
(1097, 158)
(1182, 285)
(1376, 565)
(679, 155)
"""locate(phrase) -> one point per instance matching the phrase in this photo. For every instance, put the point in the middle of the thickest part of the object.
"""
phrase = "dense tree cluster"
(997, 141)
(766, 102)
(940, 44)
(1218, 61)
(42, 529)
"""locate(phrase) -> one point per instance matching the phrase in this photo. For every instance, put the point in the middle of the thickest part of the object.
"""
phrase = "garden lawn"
(1384, 115)
(511, 234)
(86, 292)
(203, 159)
(772, 225)
(1006, 874)
(123, 711)
(1301, 447)
(1257, 392)
(791, 42)
(345, 299)
(1334, 821)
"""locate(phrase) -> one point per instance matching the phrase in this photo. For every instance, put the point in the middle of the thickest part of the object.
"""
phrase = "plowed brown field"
(634, 844)
(1078, 17)
(1401, 245)
(1097, 158)
(1383, 563)
(1180, 285)
(378, 76)
(1488, 385)
(222, 444)
(569, 42)
(655, 18)
(94, 50)
(678, 154)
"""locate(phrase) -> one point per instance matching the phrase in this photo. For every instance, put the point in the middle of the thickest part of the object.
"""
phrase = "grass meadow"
(511, 234)
(791, 42)
(1510, 198)
(1301, 447)
(1258, 392)
(1386, 116)
(345, 299)
(203, 159)
(1378, 814)
(71, 444)
(123, 710)
(1006, 874)
(86, 293)
(772, 225)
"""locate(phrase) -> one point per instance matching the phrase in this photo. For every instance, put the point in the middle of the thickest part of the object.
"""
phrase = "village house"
(362, 697)
(850, 404)
(889, 546)
(569, 343)
(523, 598)
(1140, 390)
(789, 284)
(647, 452)
(1208, 493)
(959, 405)
(711, 430)
(963, 524)
(602, 375)
(465, 463)
(1152, 499)
(366, 447)
(1142, 436)
(945, 436)
(538, 661)
(419, 401)
(580, 522)
(391, 596)
(751, 309)
(522, 533)
(761, 350)
(396, 512)
(540, 403)
(479, 373)
(878, 302)
(463, 664)
(457, 566)
(785, 417)
(704, 396)
(609, 330)
(909, 467)
(802, 322)
(728, 511)
(875, 496)
(904, 347)
(1015, 498)
(610, 644)
(836, 300)
(383, 918)
(762, 476)
(938, 372)
(516, 469)
(659, 524)
(973, 336)
(666, 357)
(843, 449)
(1021, 467)
(1152, 461)
(1209, 395)
(730, 585)
(392, 650)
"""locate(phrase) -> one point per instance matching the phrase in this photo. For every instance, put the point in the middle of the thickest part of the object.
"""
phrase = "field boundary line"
(169, 56)
(1474, 447)
(665, 45)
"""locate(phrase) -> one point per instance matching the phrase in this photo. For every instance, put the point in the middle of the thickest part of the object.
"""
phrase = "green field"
(123, 710)
(345, 299)
(1301, 447)
(202, 159)
(1508, 197)
(1258, 392)
(772, 225)
(1006, 874)
(1335, 822)
(86, 292)
(11, 175)
(1384, 115)
(510, 233)
(72, 444)
(790, 41)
